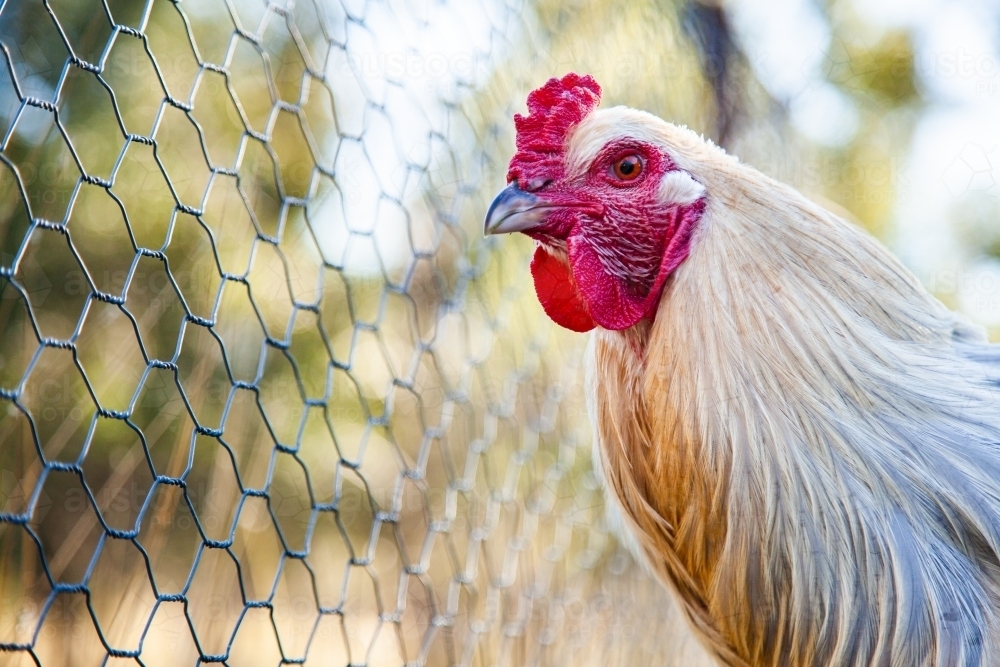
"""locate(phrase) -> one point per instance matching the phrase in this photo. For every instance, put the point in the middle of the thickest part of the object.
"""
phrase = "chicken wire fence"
(266, 395)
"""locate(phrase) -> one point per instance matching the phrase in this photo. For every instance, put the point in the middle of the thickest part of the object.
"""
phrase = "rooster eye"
(627, 168)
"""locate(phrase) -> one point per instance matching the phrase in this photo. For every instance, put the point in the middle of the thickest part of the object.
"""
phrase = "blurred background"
(266, 394)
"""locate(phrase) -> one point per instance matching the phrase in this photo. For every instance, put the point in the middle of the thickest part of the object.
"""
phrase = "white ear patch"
(678, 187)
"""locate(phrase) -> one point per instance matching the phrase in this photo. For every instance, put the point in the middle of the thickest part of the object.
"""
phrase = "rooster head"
(600, 193)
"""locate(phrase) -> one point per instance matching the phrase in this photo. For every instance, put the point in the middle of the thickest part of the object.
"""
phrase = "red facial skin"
(607, 245)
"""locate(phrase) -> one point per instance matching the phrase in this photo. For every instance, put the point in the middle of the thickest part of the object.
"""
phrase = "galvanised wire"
(478, 569)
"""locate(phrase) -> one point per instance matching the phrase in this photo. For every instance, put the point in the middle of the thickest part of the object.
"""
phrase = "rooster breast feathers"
(804, 442)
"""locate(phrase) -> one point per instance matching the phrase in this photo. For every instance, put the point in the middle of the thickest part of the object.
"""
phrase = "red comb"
(553, 110)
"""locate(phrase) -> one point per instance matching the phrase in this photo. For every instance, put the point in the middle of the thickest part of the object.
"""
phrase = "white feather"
(677, 187)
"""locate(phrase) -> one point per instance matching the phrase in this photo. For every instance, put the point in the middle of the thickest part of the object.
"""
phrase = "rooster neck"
(656, 496)
(635, 340)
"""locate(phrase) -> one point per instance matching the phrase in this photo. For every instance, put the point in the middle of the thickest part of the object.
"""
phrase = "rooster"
(796, 438)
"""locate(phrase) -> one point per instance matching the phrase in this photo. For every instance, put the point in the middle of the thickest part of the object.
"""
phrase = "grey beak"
(513, 210)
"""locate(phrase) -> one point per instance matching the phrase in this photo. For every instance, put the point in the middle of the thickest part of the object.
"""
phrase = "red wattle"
(558, 293)
(611, 305)
(608, 301)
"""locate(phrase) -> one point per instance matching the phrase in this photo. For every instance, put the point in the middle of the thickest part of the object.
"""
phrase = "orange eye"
(627, 168)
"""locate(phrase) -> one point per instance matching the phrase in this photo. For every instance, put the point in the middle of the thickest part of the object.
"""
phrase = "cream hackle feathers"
(805, 445)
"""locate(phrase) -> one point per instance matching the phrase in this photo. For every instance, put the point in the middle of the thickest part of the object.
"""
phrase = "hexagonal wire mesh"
(266, 395)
